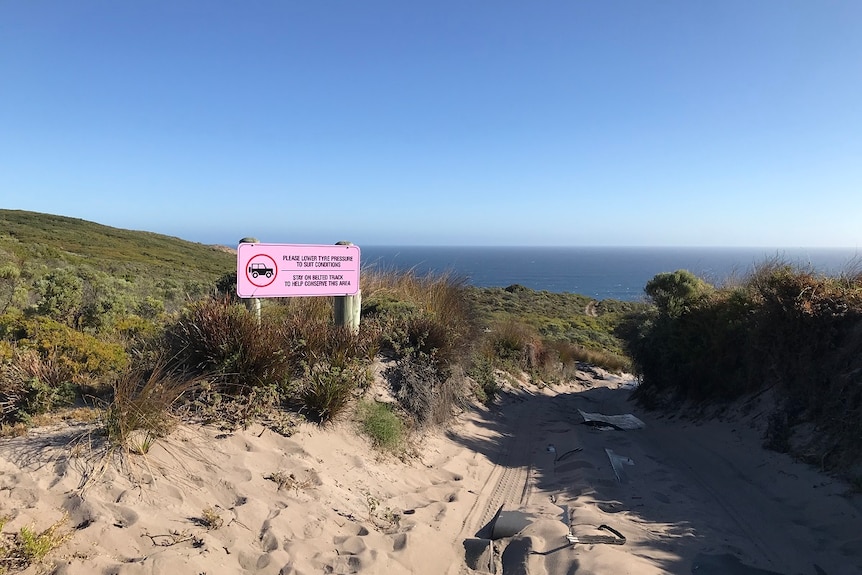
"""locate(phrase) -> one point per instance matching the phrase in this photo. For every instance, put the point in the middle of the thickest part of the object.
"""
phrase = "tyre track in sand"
(508, 482)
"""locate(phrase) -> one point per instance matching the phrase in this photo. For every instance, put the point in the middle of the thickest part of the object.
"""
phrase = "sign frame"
(297, 270)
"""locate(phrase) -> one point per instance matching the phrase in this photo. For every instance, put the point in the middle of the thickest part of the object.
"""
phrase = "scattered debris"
(617, 462)
(626, 421)
(616, 539)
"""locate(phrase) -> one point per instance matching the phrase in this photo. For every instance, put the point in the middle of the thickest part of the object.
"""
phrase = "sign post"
(251, 304)
(348, 308)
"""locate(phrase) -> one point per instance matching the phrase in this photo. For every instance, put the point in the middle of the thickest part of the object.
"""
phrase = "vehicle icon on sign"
(259, 269)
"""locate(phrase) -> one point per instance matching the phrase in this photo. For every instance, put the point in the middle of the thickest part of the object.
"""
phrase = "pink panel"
(289, 270)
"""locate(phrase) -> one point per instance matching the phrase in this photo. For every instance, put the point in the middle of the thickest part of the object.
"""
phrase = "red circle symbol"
(261, 270)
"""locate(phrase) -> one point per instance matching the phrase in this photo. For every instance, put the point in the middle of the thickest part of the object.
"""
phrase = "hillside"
(30, 236)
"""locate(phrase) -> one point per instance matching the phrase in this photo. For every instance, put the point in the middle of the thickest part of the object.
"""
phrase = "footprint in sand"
(268, 541)
(253, 561)
(313, 529)
(351, 545)
(437, 511)
(399, 542)
(81, 513)
(241, 474)
(123, 516)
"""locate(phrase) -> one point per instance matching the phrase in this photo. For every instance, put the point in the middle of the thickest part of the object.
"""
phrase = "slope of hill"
(58, 241)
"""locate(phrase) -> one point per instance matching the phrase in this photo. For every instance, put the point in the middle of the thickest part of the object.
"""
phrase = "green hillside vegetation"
(29, 235)
(134, 328)
(783, 330)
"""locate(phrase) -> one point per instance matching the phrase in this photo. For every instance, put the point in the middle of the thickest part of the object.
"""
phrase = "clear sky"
(440, 122)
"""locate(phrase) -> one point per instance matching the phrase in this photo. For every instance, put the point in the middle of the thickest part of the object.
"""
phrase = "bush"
(31, 385)
(220, 339)
(77, 352)
(509, 342)
(381, 424)
(781, 327)
(142, 408)
(327, 389)
(481, 370)
(426, 393)
(675, 292)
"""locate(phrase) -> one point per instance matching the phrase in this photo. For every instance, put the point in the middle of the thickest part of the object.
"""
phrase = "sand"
(522, 486)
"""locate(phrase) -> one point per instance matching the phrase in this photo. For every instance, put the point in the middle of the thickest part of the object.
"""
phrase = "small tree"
(61, 295)
(674, 292)
(10, 280)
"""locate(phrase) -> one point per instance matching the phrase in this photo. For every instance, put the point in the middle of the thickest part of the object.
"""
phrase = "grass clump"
(142, 408)
(31, 385)
(285, 480)
(327, 389)
(426, 392)
(27, 546)
(211, 519)
(222, 340)
(380, 423)
(429, 315)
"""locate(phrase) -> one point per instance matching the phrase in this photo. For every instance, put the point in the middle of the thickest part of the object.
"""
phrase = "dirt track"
(701, 497)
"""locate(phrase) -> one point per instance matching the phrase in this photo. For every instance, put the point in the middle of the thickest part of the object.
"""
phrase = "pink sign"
(289, 270)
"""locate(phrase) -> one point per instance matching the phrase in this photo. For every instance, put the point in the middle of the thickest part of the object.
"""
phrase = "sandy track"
(701, 498)
(507, 484)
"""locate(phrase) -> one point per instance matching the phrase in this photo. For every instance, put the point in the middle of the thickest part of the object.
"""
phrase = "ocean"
(600, 272)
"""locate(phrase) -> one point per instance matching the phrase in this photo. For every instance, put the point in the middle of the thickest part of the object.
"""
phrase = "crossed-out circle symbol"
(261, 270)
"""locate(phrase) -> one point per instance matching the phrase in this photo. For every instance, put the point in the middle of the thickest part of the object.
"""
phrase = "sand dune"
(523, 486)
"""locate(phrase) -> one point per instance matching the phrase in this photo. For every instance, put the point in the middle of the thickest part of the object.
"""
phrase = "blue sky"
(478, 122)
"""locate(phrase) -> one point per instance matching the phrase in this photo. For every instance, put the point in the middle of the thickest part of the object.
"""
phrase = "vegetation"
(27, 546)
(782, 328)
(141, 409)
(381, 424)
(147, 329)
(211, 519)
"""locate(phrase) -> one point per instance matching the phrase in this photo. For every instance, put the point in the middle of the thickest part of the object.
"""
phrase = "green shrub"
(481, 370)
(327, 389)
(222, 340)
(61, 294)
(26, 547)
(381, 424)
(77, 352)
(31, 385)
(675, 292)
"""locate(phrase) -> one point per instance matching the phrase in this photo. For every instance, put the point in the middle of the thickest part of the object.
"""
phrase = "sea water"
(600, 272)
